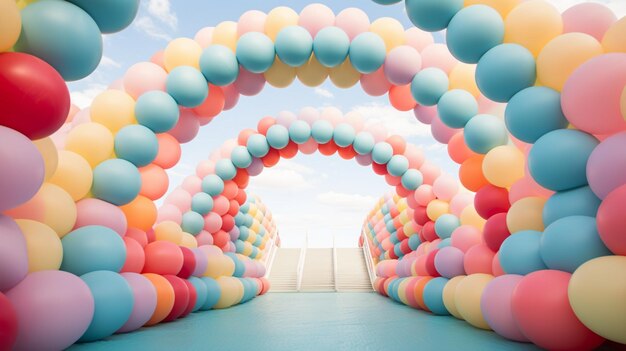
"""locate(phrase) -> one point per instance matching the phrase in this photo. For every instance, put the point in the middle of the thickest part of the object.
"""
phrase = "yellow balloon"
(247, 248)
(279, 18)
(390, 30)
(231, 292)
(533, 24)
(504, 165)
(280, 75)
(45, 251)
(10, 24)
(188, 241)
(613, 40)
(436, 209)
(169, 231)
(219, 265)
(502, 6)
(449, 291)
(345, 76)
(404, 218)
(182, 52)
(93, 141)
(402, 291)
(73, 174)
(469, 216)
(50, 155)
(226, 34)
(409, 230)
(462, 77)
(113, 109)
(467, 298)
(312, 73)
(402, 205)
(526, 214)
(596, 293)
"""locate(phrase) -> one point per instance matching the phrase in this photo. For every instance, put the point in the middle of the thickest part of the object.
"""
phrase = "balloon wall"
(530, 102)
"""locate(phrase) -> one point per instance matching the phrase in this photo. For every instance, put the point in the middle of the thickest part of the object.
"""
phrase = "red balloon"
(137, 234)
(163, 257)
(392, 180)
(410, 199)
(264, 124)
(150, 236)
(478, 259)
(495, 231)
(234, 207)
(611, 221)
(189, 263)
(347, 153)
(392, 254)
(272, 158)
(328, 149)
(242, 139)
(242, 178)
(228, 222)
(403, 192)
(430, 264)
(35, 98)
(221, 238)
(8, 323)
(404, 246)
(230, 189)
(181, 297)
(241, 197)
(193, 297)
(420, 215)
(289, 151)
(490, 200)
(380, 169)
(429, 231)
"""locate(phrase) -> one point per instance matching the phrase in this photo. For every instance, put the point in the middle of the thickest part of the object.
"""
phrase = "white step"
(283, 274)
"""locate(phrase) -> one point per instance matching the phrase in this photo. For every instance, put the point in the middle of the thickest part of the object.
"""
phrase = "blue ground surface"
(310, 321)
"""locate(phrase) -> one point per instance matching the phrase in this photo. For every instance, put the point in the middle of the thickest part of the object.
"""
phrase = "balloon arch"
(537, 254)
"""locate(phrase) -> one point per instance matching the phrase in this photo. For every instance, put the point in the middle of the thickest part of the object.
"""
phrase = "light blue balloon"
(157, 110)
(382, 152)
(533, 112)
(398, 250)
(484, 132)
(331, 46)
(294, 46)
(92, 248)
(571, 241)
(212, 185)
(558, 160)
(63, 35)
(202, 203)
(192, 222)
(239, 266)
(504, 71)
(456, 107)
(187, 86)
(398, 165)
(112, 15)
(576, 202)
(394, 238)
(244, 233)
(277, 136)
(255, 52)
(446, 224)
(344, 135)
(240, 157)
(239, 246)
(433, 296)
(519, 253)
(473, 31)
(387, 2)
(225, 169)
(244, 208)
(412, 179)
(257, 242)
(429, 85)
(113, 304)
(257, 145)
(201, 292)
(136, 144)
(390, 227)
(367, 52)
(116, 181)
(214, 292)
(432, 15)
(322, 131)
(299, 132)
(414, 241)
(444, 243)
(255, 253)
(219, 65)
(364, 143)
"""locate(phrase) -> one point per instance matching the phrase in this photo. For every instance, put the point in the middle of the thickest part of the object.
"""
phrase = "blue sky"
(325, 196)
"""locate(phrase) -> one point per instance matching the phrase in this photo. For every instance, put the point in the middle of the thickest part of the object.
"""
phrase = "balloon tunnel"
(527, 240)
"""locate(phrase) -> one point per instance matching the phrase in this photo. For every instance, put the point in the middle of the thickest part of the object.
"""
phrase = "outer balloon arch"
(537, 255)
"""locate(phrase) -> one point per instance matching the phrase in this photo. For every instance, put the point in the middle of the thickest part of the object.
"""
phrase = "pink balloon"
(425, 114)
(169, 212)
(378, 131)
(332, 115)
(192, 184)
(204, 238)
(438, 55)
(212, 222)
(248, 83)
(611, 221)
(143, 77)
(355, 120)
(98, 212)
(145, 301)
(526, 187)
(459, 202)
(430, 172)
(418, 39)
(117, 84)
(445, 187)
(424, 195)
(478, 259)
(449, 262)
(179, 198)
(376, 83)
(221, 205)
(441, 132)
(495, 304)
(364, 160)
(231, 96)
(591, 95)
(135, 256)
(251, 21)
(465, 237)
(158, 58)
(256, 167)
(308, 148)
(402, 64)
(83, 116)
(227, 148)
(201, 259)
(187, 127)
(590, 18)
(285, 118)
(13, 254)
(309, 114)
(204, 168)
(415, 156)
(314, 17)
(606, 167)
(353, 21)
(496, 267)
(204, 37)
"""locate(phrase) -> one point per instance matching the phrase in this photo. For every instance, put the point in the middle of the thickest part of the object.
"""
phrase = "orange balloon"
(419, 292)
(471, 173)
(230, 189)
(289, 151)
(169, 151)
(401, 98)
(214, 103)
(398, 144)
(242, 138)
(154, 181)
(241, 179)
(328, 149)
(165, 298)
(458, 150)
(141, 213)
(265, 124)
(347, 153)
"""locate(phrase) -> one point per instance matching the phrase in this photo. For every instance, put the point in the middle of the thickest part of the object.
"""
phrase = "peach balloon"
(204, 37)
(613, 40)
(533, 24)
(141, 213)
(469, 216)
(315, 17)
(401, 98)
(526, 214)
(471, 173)
(251, 21)
(375, 84)
(438, 55)
(390, 30)
(169, 151)
(430, 172)
(458, 150)
(418, 38)
(168, 231)
(353, 21)
(154, 182)
(143, 77)
(165, 298)
(225, 34)
(169, 213)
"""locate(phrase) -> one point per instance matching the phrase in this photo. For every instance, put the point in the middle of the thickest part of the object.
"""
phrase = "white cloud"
(109, 62)
(83, 98)
(396, 122)
(146, 24)
(324, 93)
(348, 202)
(287, 176)
(161, 10)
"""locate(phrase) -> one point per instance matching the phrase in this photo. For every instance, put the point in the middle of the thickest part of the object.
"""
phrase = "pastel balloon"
(609, 221)
(145, 301)
(473, 31)
(219, 65)
(143, 77)
(533, 24)
(499, 81)
(432, 16)
(390, 30)
(401, 64)
(353, 21)
(467, 298)
(495, 304)
(181, 52)
(255, 52)
(605, 167)
(14, 258)
(251, 21)
(279, 18)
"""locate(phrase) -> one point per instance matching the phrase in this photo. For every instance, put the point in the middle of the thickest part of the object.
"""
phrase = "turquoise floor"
(306, 321)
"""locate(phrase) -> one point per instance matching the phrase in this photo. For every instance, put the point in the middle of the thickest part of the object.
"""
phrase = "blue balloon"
(414, 241)
(201, 292)
(331, 46)
(533, 112)
(322, 131)
(257, 242)
(257, 145)
(116, 181)
(187, 86)
(412, 179)
(367, 52)
(255, 52)
(63, 35)
(241, 157)
(136, 144)
(558, 160)
(112, 15)
(244, 233)
(239, 246)
(277, 136)
(519, 253)
(576, 202)
(446, 224)
(432, 15)
(456, 107)
(444, 243)
(192, 222)
(571, 241)
(429, 85)
(299, 132)
(245, 207)
(398, 250)
(113, 304)
(157, 110)
(398, 165)
(92, 248)
(382, 152)
(473, 31)
(214, 292)
(394, 238)
(239, 266)
(225, 169)
(255, 253)
(433, 296)
(484, 132)
(504, 71)
(219, 65)
(390, 227)
(344, 135)
(294, 46)
(364, 143)
(202, 203)
(212, 185)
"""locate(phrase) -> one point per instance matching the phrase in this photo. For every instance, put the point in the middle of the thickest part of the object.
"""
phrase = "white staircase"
(352, 274)
(317, 274)
(283, 274)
